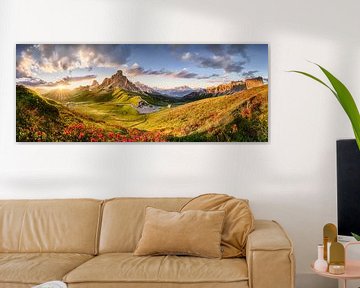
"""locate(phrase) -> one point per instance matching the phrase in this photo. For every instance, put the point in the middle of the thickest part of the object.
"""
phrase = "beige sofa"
(89, 243)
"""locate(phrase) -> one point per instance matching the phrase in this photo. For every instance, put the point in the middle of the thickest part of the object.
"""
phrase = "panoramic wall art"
(142, 93)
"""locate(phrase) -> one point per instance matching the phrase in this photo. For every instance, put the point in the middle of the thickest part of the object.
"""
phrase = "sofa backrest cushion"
(239, 220)
(123, 220)
(64, 226)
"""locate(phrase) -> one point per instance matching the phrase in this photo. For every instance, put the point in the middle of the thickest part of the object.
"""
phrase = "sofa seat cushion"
(127, 268)
(36, 268)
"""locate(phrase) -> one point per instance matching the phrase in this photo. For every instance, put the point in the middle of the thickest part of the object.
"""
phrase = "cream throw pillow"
(193, 232)
(238, 223)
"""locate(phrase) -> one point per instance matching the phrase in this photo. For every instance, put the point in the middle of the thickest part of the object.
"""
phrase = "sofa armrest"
(269, 255)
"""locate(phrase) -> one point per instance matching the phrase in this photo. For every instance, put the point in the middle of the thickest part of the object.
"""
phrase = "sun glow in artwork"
(142, 93)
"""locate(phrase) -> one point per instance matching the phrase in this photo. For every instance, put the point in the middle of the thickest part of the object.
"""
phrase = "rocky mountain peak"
(118, 74)
(227, 88)
(94, 83)
(119, 80)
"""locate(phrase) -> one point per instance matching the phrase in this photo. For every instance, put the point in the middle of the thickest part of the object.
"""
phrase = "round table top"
(352, 271)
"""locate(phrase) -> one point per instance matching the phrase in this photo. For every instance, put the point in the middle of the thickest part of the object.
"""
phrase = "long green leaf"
(316, 79)
(344, 97)
(347, 102)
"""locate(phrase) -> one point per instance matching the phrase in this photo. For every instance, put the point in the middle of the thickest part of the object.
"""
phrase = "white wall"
(291, 179)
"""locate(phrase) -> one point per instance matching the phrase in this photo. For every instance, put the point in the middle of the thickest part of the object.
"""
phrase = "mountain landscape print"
(141, 93)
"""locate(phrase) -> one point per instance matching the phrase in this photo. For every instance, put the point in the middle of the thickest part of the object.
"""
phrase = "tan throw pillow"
(239, 220)
(196, 233)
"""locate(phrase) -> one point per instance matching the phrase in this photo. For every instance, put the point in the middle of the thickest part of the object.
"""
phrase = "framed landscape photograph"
(142, 92)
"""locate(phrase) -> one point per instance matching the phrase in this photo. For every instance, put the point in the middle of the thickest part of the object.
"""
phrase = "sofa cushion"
(194, 232)
(239, 220)
(36, 268)
(126, 268)
(63, 226)
(123, 220)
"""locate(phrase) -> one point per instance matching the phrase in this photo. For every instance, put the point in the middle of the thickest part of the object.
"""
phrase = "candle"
(336, 269)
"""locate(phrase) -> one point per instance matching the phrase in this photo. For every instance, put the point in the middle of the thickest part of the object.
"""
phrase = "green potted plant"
(345, 99)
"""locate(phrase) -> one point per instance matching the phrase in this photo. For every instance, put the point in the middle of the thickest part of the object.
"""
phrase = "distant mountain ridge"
(145, 88)
(164, 95)
(226, 88)
(190, 93)
(119, 80)
(179, 91)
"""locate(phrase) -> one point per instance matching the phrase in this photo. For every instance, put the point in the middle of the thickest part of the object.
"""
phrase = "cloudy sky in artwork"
(157, 65)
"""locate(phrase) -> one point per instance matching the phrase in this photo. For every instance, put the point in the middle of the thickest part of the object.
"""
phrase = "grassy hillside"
(117, 108)
(38, 119)
(44, 120)
(97, 96)
(114, 116)
(242, 116)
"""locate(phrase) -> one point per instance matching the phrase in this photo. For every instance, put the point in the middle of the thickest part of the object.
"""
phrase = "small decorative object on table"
(329, 237)
(320, 264)
(333, 251)
(340, 267)
(337, 259)
(52, 284)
